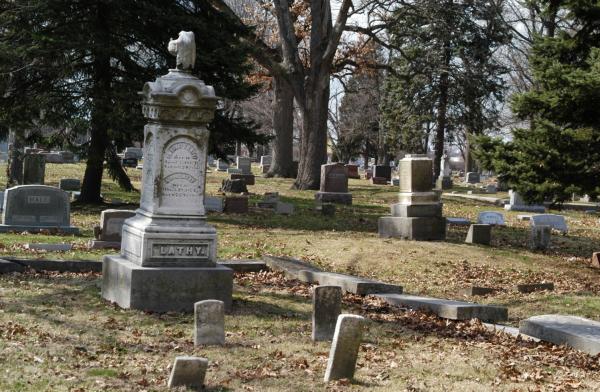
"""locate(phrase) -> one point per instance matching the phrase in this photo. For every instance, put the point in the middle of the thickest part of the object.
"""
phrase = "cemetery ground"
(56, 333)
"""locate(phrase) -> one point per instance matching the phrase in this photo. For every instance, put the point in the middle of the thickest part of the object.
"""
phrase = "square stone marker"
(209, 322)
(383, 171)
(479, 234)
(353, 171)
(244, 164)
(214, 203)
(344, 348)
(34, 169)
(472, 178)
(577, 332)
(188, 372)
(69, 184)
(327, 306)
(236, 205)
(111, 224)
(334, 178)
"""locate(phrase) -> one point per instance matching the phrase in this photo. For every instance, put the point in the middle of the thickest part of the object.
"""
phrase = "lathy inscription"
(180, 250)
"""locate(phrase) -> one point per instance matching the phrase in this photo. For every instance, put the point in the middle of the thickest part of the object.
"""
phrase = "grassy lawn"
(56, 334)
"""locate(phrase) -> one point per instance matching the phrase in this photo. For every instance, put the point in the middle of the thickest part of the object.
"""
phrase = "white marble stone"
(556, 222)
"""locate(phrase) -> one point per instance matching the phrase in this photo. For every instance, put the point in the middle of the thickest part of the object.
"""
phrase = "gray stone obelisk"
(168, 251)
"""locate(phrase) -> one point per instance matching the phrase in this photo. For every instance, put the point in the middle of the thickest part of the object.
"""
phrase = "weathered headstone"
(209, 322)
(556, 222)
(327, 306)
(491, 188)
(472, 178)
(284, 208)
(444, 180)
(353, 171)
(344, 348)
(244, 164)
(265, 160)
(36, 207)
(270, 200)
(249, 179)
(34, 169)
(234, 170)
(540, 237)
(382, 171)
(516, 203)
(334, 184)
(133, 152)
(418, 214)
(491, 218)
(168, 252)
(479, 234)
(69, 184)
(188, 372)
(108, 234)
(234, 186)
(129, 162)
(52, 157)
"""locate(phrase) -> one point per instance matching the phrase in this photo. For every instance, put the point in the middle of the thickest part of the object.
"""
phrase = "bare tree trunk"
(313, 141)
(442, 119)
(99, 121)
(14, 170)
(282, 163)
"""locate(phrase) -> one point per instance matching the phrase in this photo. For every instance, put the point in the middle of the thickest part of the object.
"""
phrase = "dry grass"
(57, 334)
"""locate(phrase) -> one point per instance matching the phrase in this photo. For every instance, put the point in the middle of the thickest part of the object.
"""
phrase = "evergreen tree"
(559, 153)
(81, 63)
(447, 77)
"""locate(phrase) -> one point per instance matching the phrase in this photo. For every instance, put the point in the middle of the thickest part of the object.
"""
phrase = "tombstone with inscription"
(383, 171)
(490, 218)
(334, 184)
(244, 164)
(69, 184)
(418, 214)
(168, 251)
(265, 160)
(472, 178)
(444, 181)
(517, 203)
(36, 208)
(34, 169)
(108, 234)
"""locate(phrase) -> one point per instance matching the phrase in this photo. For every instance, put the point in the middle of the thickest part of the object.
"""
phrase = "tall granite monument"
(168, 251)
(418, 214)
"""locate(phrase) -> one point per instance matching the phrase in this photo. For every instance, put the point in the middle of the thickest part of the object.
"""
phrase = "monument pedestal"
(163, 289)
(418, 214)
(168, 251)
(334, 197)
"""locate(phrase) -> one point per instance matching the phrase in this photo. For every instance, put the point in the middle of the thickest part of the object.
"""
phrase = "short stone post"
(209, 322)
(540, 237)
(327, 306)
(188, 372)
(344, 348)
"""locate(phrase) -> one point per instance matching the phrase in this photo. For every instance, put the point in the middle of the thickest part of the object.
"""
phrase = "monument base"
(418, 229)
(416, 210)
(38, 229)
(525, 208)
(163, 289)
(334, 197)
(444, 183)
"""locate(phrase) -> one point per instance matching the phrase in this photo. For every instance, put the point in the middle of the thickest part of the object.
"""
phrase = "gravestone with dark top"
(36, 208)
(334, 184)
(34, 169)
(383, 171)
(168, 250)
(418, 213)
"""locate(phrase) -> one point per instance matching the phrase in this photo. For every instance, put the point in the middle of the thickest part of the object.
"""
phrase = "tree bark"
(313, 141)
(100, 113)
(14, 169)
(282, 162)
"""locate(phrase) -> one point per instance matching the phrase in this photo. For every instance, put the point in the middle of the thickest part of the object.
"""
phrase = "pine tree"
(559, 153)
(79, 62)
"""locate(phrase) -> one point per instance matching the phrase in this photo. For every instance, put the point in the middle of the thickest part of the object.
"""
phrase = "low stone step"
(59, 265)
(243, 266)
(448, 309)
(512, 331)
(355, 285)
(576, 332)
(292, 268)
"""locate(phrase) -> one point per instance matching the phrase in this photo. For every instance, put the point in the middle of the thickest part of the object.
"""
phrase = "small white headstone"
(491, 218)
